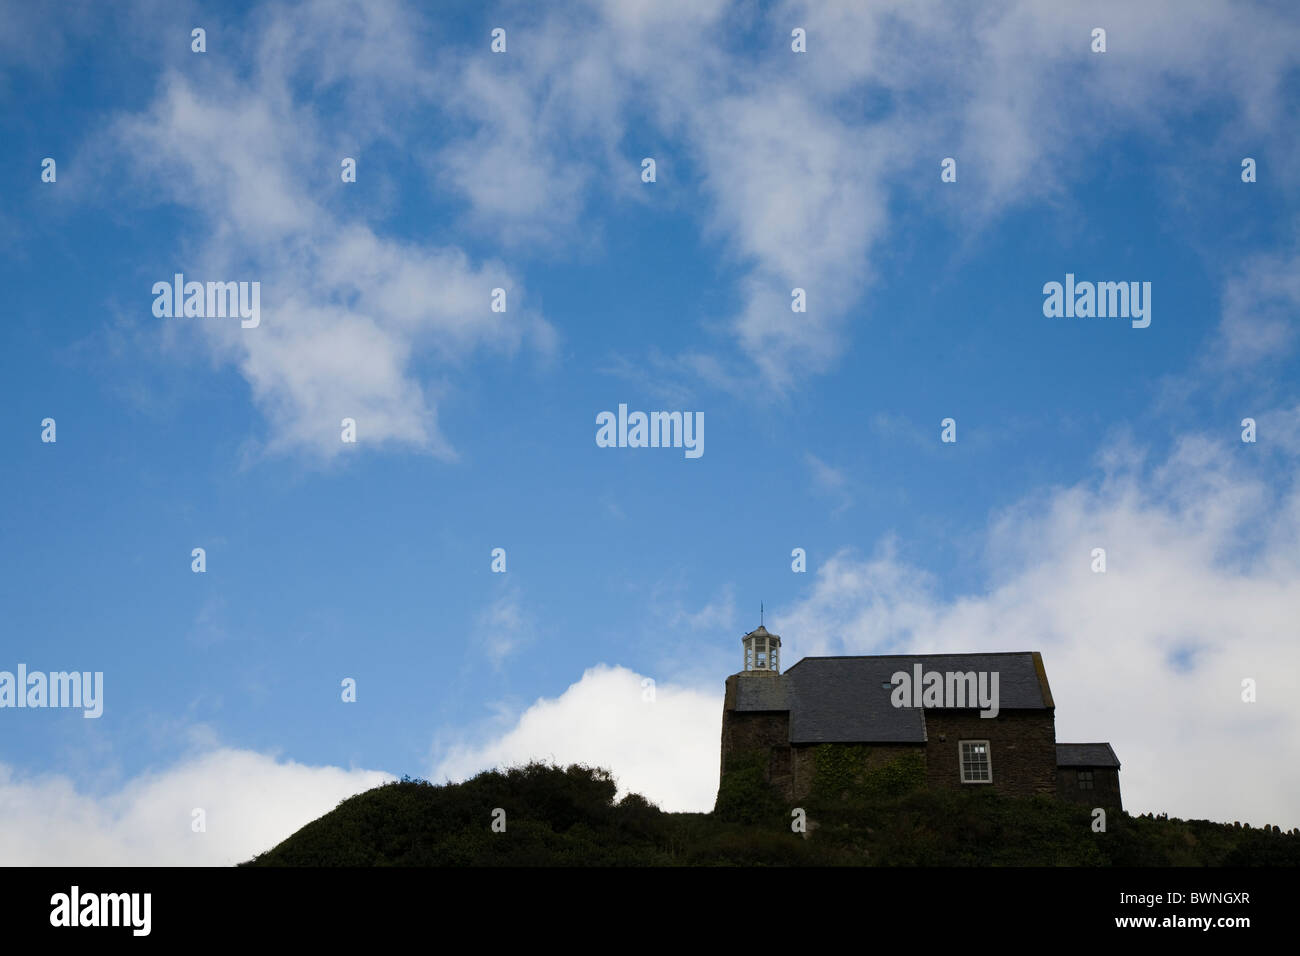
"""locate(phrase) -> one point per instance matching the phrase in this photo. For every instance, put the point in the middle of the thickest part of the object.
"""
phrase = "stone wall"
(1022, 749)
(804, 762)
(765, 733)
(1104, 792)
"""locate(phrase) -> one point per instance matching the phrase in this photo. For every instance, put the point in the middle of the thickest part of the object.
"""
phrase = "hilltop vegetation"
(569, 816)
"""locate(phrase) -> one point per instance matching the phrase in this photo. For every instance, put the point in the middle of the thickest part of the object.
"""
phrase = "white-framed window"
(976, 761)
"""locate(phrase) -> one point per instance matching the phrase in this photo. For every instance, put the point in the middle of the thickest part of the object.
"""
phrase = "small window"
(1085, 779)
(976, 765)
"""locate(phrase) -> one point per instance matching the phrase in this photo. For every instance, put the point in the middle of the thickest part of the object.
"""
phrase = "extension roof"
(1086, 755)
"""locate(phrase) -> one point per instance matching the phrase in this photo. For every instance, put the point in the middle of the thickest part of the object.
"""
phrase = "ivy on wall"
(744, 794)
(843, 768)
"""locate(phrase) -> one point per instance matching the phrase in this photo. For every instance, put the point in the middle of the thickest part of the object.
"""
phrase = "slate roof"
(846, 700)
(1086, 755)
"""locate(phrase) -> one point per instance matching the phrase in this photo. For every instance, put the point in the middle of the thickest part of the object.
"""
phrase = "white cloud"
(346, 313)
(251, 801)
(800, 156)
(717, 615)
(1261, 305)
(798, 160)
(655, 375)
(666, 750)
(503, 627)
(830, 480)
(1281, 430)
(1202, 590)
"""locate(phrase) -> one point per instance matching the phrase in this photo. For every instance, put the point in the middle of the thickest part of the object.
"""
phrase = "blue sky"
(476, 430)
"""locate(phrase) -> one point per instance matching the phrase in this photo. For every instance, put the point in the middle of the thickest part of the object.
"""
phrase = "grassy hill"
(569, 816)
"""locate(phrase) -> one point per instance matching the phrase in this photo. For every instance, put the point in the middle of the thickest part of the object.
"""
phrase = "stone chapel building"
(781, 719)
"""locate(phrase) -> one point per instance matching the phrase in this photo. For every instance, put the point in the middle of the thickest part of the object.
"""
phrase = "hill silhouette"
(569, 816)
